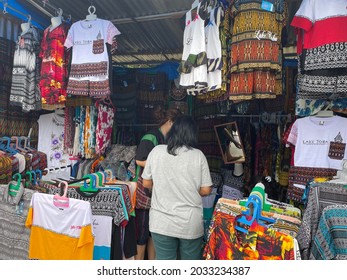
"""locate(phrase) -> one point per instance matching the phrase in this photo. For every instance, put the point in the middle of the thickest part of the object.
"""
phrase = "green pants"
(167, 247)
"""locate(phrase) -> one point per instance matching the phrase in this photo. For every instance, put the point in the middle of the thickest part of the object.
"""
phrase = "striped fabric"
(320, 196)
(330, 241)
(14, 236)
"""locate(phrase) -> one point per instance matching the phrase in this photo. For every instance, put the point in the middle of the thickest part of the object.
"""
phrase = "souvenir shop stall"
(264, 80)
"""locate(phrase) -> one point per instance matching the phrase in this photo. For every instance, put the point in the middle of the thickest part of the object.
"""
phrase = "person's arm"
(205, 190)
(147, 183)
(141, 163)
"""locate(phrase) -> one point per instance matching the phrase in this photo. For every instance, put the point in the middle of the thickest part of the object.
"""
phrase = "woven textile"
(320, 196)
(330, 241)
(301, 176)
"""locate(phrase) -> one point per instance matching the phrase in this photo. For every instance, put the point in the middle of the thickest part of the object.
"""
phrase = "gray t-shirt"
(176, 208)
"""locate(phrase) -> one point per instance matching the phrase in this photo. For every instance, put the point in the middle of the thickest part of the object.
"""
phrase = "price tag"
(268, 6)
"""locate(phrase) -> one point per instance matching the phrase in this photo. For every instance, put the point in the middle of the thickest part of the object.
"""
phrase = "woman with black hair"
(179, 176)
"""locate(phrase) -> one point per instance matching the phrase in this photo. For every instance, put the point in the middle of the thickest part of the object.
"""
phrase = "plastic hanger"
(12, 189)
(38, 176)
(47, 170)
(62, 201)
(25, 144)
(92, 15)
(33, 172)
(8, 147)
(17, 145)
(326, 112)
(100, 178)
(259, 190)
(257, 199)
(243, 218)
(30, 181)
(92, 184)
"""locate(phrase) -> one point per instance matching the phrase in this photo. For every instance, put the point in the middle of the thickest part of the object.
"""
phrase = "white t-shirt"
(313, 138)
(176, 206)
(51, 142)
(102, 228)
(88, 39)
(60, 233)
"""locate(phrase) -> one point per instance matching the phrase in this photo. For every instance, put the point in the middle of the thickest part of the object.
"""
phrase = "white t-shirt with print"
(51, 142)
(82, 36)
(312, 137)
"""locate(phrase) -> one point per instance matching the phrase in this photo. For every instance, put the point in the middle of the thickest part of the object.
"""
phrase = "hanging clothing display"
(53, 79)
(193, 67)
(322, 55)
(89, 74)
(221, 94)
(256, 51)
(26, 68)
(214, 50)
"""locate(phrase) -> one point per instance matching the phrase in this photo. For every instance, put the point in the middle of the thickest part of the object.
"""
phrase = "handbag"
(143, 195)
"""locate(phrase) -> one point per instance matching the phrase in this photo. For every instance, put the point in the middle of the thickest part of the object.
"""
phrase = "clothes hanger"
(254, 204)
(39, 172)
(17, 144)
(258, 194)
(326, 112)
(12, 189)
(7, 147)
(33, 172)
(92, 184)
(30, 181)
(62, 201)
(26, 143)
(47, 170)
(92, 15)
(100, 177)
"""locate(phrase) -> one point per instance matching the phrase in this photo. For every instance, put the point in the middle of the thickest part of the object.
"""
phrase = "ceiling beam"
(172, 15)
(138, 62)
(152, 52)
